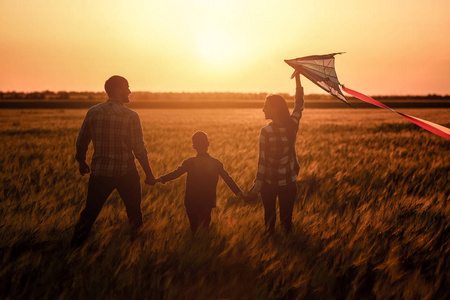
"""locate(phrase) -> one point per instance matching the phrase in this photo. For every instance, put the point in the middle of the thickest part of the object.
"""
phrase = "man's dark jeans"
(286, 198)
(99, 189)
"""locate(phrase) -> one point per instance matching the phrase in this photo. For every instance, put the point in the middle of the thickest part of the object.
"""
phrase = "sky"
(392, 47)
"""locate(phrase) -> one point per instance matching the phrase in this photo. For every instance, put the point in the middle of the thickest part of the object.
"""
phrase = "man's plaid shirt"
(116, 133)
(277, 164)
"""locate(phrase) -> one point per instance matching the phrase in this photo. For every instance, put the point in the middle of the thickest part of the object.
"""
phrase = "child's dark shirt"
(203, 173)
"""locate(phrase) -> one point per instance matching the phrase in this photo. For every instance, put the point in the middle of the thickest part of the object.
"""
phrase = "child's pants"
(199, 218)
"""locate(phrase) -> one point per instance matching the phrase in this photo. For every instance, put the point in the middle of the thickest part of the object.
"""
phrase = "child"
(202, 176)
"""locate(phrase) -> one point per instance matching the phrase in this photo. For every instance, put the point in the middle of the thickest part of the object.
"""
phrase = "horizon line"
(224, 92)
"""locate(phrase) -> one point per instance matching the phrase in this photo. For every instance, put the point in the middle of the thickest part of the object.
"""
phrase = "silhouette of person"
(203, 173)
(116, 133)
(277, 164)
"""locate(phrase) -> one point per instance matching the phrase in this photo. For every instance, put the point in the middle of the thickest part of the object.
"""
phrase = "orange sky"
(392, 46)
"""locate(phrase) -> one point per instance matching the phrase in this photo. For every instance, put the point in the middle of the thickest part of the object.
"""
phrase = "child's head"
(200, 141)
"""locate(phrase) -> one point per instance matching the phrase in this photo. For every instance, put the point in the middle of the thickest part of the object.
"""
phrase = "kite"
(321, 71)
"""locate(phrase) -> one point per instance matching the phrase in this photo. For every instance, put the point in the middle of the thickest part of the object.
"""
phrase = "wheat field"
(371, 220)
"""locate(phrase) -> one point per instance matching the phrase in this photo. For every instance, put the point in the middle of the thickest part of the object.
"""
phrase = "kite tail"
(427, 125)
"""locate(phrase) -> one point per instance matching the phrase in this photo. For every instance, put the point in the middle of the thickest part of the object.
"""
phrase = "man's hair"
(114, 82)
(200, 140)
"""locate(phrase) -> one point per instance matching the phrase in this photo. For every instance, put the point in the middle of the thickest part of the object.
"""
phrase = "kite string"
(427, 125)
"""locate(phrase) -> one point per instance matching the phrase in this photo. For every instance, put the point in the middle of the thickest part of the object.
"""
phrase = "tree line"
(185, 96)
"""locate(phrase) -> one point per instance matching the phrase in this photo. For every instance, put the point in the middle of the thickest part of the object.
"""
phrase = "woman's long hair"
(283, 114)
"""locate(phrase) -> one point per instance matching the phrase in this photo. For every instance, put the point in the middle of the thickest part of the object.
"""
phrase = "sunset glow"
(392, 47)
(217, 49)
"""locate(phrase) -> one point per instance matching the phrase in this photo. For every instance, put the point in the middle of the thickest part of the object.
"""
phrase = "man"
(116, 134)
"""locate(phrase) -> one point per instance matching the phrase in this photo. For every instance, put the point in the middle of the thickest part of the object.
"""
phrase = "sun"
(217, 48)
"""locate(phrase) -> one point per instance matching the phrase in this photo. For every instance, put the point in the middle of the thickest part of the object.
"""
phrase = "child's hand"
(159, 179)
(250, 198)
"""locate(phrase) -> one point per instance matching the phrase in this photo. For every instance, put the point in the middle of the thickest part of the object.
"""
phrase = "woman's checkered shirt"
(277, 164)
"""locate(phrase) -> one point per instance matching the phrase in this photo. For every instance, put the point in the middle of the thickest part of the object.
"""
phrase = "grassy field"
(371, 220)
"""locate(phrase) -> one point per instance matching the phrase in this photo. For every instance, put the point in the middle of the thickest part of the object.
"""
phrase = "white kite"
(321, 71)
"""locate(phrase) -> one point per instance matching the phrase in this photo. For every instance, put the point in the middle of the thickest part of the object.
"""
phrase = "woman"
(277, 165)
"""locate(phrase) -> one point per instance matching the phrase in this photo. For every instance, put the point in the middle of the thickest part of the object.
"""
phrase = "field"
(371, 220)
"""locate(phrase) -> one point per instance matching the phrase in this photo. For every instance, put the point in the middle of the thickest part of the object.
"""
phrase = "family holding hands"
(116, 134)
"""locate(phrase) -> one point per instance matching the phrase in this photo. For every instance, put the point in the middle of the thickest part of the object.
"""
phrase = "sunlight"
(217, 49)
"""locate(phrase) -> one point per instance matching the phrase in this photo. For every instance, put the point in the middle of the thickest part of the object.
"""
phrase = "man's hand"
(83, 168)
(150, 180)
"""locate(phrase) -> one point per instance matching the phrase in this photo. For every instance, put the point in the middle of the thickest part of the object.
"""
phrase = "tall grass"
(371, 220)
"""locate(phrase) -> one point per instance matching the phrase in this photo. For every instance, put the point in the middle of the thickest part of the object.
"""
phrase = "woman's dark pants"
(286, 198)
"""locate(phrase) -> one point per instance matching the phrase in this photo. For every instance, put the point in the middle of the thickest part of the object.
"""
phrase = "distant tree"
(49, 94)
(35, 95)
(63, 95)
